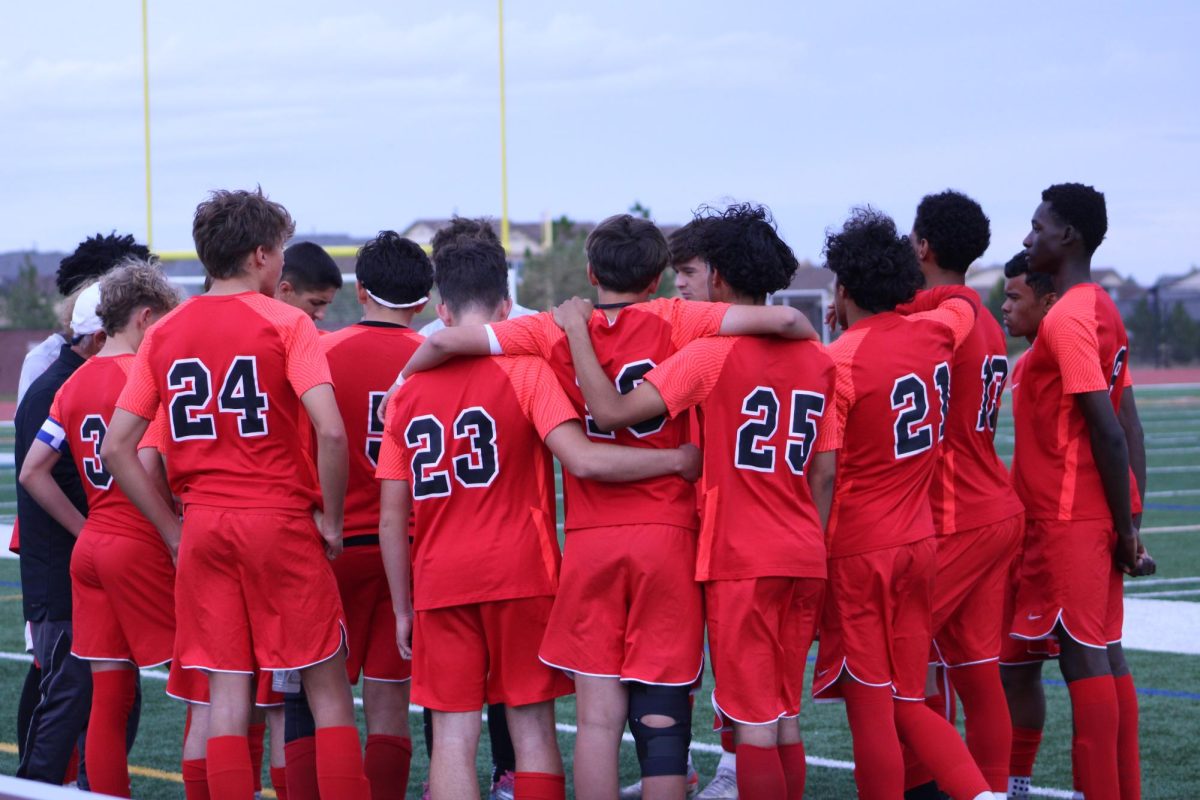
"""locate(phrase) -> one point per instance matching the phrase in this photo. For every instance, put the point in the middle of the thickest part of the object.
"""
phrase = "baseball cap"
(84, 319)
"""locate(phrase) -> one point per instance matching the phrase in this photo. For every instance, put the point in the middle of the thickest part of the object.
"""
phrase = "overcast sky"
(366, 115)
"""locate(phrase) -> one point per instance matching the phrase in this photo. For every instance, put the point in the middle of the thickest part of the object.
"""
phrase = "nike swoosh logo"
(1033, 616)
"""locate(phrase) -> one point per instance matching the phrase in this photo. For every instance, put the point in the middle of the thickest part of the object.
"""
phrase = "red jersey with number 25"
(363, 360)
(230, 370)
(642, 336)
(763, 403)
(893, 390)
(79, 418)
(468, 439)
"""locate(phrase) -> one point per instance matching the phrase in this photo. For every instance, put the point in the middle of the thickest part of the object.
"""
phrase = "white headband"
(386, 304)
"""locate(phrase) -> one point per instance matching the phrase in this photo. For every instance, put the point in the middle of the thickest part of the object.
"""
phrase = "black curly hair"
(1042, 283)
(95, 256)
(687, 242)
(742, 245)
(462, 226)
(394, 269)
(956, 228)
(1081, 207)
(875, 264)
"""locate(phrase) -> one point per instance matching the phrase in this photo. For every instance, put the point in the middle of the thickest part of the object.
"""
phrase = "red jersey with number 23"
(642, 336)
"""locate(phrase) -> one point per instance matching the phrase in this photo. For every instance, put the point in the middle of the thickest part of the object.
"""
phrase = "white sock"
(1018, 786)
(728, 762)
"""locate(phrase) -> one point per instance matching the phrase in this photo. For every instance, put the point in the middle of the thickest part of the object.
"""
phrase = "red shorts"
(759, 634)
(254, 590)
(1016, 652)
(968, 594)
(877, 622)
(370, 620)
(628, 606)
(122, 599)
(1068, 575)
(191, 686)
(465, 657)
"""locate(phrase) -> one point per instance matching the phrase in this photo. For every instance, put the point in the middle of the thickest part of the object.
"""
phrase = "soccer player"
(233, 369)
(977, 516)
(1072, 470)
(686, 245)
(310, 279)
(893, 382)
(761, 555)
(122, 576)
(631, 548)
(465, 442)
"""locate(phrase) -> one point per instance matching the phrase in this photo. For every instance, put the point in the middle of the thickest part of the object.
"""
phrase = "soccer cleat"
(502, 788)
(634, 790)
(723, 786)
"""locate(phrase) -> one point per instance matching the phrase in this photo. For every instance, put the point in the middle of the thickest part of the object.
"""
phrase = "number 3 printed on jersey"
(474, 469)
(910, 397)
(191, 385)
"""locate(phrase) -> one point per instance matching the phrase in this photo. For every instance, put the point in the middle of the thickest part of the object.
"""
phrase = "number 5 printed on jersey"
(762, 406)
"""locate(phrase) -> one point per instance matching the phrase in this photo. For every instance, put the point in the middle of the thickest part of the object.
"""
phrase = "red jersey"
(468, 438)
(893, 391)
(79, 418)
(1081, 347)
(971, 488)
(363, 360)
(230, 371)
(763, 404)
(642, 336)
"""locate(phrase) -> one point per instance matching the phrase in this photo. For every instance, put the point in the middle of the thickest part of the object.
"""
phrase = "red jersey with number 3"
(893, 390)
(230, 370)
(363, 360)
(79, 418)
(642, 336)
(763, 403)
(1081, 347)
(468, 439)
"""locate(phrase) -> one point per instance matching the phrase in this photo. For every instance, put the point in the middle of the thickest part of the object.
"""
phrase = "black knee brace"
(661, 751)
(298, 722)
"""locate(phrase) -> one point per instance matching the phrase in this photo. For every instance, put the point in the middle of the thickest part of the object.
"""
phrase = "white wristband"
(400, 380)
(493, 343)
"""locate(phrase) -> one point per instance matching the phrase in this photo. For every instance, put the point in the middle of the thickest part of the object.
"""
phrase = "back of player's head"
(394, 269)
(687, 242)
(134, 283)
(93, 257)
(462, 227)
(1041, 283)
(472, 273)
(1081, 207)
(873, 263)
(230, 225)
(626, 253)
(742, 245)
(954, 225)
(308, 268)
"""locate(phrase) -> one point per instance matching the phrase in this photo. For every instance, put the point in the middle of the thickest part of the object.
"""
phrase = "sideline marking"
(1172, 529)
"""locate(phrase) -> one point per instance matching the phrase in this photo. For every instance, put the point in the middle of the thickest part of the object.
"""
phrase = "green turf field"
(1169, 683)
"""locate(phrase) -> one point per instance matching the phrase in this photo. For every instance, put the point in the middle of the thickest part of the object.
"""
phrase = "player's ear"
(592, 276)
(1049, 299)
(504, 309)
(653, 287)
(921, 246)
(285, 288)
(443, 312)
(362, 293)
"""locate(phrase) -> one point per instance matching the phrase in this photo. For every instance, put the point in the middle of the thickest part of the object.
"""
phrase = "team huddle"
(279, 514)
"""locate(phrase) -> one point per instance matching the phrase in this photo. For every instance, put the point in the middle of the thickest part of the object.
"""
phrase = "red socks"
(1025, 743)
(539, 786)
(300, 756)
(1097, 720)
(340, 764)
(1129, 760)
(255, 734)
(113, 693)
(386, 764)
(936, 743)
(879, 767)
(989, 726)
(195, 780)
(279, 782)
(229, 772)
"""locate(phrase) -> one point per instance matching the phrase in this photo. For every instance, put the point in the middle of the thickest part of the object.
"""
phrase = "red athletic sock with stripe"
(989, 726)
(1097, 719)
(113, 693)
(539, 786)
(279, 782)
(195, 779)
(760, 773)
(300, 756)
(340, 764)
(791, 756)
(255, 734)
(1129, 760)
(386, 764)
(936, 742)
(229, 771)
(879, 767)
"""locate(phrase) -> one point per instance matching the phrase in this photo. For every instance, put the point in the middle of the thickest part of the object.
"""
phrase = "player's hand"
(573, 312)
(1126, 552)
(830, 316)
(404, 635)
(693, 463)
(331, 535)
(1146, 565)
(381, 412)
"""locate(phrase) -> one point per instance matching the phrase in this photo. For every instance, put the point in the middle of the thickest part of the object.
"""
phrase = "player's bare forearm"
(1135, 441)
(37, 479)
(608, 408)
(332, 462)
(784, 321)
(612, 463)
(152, 461)
(1111, 455)
(394, 504)
(119, 453)
(445, 344)
(822, 474)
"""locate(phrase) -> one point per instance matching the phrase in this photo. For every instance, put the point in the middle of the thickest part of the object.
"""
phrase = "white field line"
(1172, 529)
(1173, 593)
(1173, 493)
(1134, 582)
(1172, 470)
